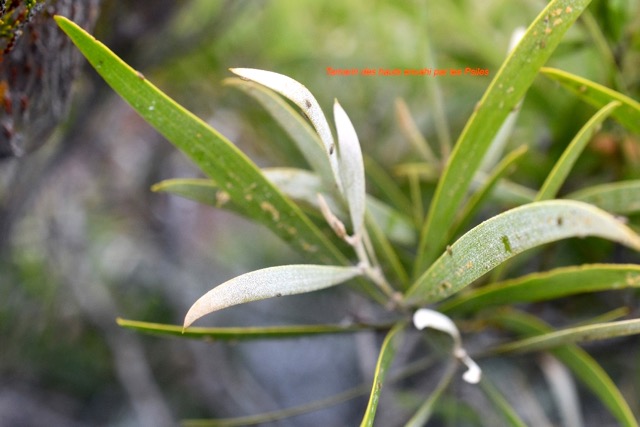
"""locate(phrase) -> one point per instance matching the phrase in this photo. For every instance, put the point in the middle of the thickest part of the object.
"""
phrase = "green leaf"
(563, 166)
(622, 198)
(505, 91)
(597, 332)
(598, 96)
(497, 146)
(549, 285)
(244, 333)
(581, 364)
(301, 186)
(268, 283)
(387, 353)
(508, 234)
(219, 159)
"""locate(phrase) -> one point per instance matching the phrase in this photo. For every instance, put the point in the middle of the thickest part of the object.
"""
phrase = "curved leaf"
(307, 141)
(563, 166)
(598, 96)
(510, 233)
(505, 91)
(622, 197)
(557, 283)
(218, 158)
(268, 283)
(302, 97)
(351, 168)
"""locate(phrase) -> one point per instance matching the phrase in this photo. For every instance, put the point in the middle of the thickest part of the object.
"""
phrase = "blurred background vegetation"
(84, 240)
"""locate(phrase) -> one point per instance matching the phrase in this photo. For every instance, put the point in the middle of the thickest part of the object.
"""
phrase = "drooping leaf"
(597, 95)
(586, 369)
(351, 168)
(239, 177)
(563, 166)
(268, 283)
(549, 285)
(505, 91)
(427, 318)
(302, 97)
(622, 198)
(388, 351)
(305, 138)
(510, 233)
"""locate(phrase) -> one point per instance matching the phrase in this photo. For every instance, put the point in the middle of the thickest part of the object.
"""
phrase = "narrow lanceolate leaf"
(585, 368)
(249, 333)
(218, 158)
(505, 91)
(305, 138)
(510, 233)
(388, 351)
(597, 332)
(622, 198)
(599, 96)
(301, 186)
(494, 153)
(268, 283)
(302, 97)
(557, 283)
(563, 166)
(351, 168)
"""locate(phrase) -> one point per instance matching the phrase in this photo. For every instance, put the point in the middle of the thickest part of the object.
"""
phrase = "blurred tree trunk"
(37, 67)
